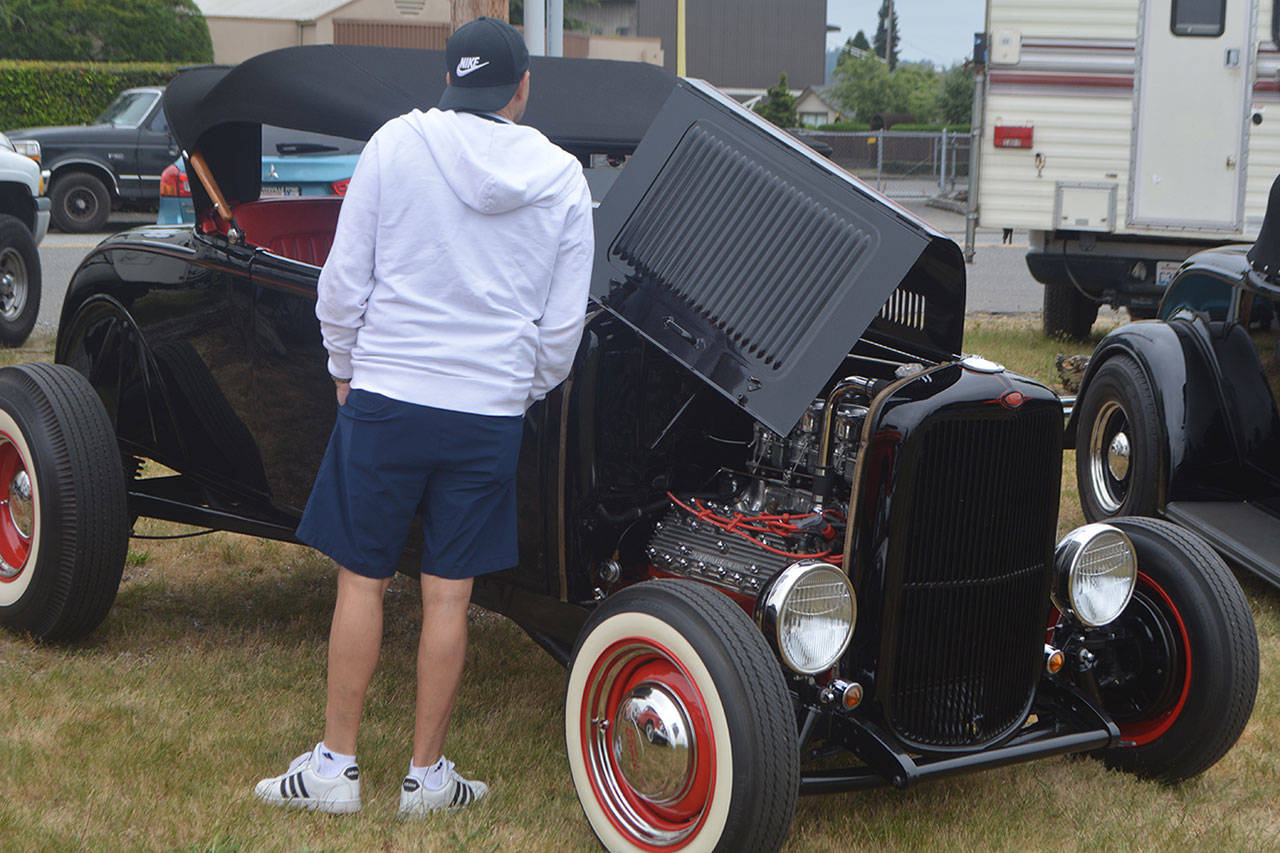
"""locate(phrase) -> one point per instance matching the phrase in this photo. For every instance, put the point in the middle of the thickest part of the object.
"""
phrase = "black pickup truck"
(114, 162)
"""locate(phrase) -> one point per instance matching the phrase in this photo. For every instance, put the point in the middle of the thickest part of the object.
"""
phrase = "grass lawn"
(209, 674)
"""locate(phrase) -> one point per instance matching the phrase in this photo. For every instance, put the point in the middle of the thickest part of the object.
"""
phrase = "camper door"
(1194, 72)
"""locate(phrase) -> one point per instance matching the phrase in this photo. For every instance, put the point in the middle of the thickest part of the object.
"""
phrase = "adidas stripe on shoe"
(301, 787)
(456, 793)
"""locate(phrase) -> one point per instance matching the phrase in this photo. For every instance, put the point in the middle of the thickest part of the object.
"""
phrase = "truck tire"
(1190, 627)
(19, 281)
(64, 524)
(1118, 443)
(80, 202)
(679, 728)
(1067, 313)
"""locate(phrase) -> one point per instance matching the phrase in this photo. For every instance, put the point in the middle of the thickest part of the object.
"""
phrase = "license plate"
(279, 190)
(1165, 271)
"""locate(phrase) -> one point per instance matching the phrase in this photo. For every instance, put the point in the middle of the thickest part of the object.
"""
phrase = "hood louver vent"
(757, 263)
(714, 218)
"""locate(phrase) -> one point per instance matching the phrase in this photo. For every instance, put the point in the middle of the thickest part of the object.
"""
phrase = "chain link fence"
(902, 164)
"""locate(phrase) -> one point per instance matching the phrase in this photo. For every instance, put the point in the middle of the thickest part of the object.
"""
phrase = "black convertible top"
(587, 106)
(584, 105)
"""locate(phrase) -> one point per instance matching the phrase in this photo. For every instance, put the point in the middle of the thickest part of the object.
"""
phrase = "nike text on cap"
(486, 59)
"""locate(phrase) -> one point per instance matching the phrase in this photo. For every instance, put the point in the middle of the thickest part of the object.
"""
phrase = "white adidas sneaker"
(417, 800)
(301, 788)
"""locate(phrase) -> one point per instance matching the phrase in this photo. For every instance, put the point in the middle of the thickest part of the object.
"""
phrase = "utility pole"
(681, 70)
(535, 27)
(462, 11)
(555, 27)
(888, 38)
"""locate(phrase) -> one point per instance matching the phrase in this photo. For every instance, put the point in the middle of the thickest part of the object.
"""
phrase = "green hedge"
(37, 94)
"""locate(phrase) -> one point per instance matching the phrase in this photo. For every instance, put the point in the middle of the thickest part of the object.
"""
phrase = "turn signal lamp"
(1053, 660)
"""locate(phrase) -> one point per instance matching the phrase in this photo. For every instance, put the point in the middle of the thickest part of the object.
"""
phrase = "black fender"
(1196, 443)
(84, 161)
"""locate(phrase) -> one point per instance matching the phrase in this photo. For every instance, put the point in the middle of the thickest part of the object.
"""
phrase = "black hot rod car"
(784, 536)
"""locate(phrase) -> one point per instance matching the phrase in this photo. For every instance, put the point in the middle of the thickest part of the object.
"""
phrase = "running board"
(1242, 532)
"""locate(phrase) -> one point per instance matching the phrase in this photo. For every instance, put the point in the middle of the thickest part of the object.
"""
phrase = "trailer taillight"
(1010, 136)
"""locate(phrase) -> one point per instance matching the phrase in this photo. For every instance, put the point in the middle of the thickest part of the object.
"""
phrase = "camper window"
(1199, 17)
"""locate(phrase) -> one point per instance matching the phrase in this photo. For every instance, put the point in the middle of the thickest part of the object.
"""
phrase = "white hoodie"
(459, 270)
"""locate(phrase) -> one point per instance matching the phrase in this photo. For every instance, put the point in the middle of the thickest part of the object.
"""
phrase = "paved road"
(998, 279)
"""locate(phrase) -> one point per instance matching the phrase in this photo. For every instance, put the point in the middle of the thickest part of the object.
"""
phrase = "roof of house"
(286, 10)
(821, 94)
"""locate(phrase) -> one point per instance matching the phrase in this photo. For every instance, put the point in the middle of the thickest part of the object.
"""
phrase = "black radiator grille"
(715, 217)
(972, 574)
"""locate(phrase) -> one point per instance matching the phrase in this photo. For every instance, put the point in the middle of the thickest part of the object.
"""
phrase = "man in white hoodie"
(453, 297)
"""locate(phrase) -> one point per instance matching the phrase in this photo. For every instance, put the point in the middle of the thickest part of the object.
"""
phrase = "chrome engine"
(777, 513)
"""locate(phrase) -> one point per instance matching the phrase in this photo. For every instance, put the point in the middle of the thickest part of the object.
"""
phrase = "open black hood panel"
(758, 263)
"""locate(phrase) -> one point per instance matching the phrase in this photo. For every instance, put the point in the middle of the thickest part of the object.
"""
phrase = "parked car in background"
(785, 538)
(24, 219)
(1177, 417)
(114, 162)
(294, 163)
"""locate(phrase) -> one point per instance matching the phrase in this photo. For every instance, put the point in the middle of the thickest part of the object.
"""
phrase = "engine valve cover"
(686, 546)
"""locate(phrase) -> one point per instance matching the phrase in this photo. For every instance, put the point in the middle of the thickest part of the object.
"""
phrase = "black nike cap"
(486, 59)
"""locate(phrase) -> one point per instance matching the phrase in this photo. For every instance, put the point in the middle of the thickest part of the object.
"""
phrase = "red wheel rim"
(650, 819)
(1145, 731)
(17, 511)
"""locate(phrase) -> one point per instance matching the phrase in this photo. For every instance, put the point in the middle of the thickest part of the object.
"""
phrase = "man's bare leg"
(442, 651)
(354, 643)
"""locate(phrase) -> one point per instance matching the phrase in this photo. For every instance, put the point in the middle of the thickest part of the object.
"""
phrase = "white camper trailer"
(1125, 135)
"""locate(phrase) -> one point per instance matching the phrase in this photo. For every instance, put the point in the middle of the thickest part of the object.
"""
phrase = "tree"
(853, 48)
(104, 31)
(955, 97)
(779, 105)
(883, 28)
(862, 87)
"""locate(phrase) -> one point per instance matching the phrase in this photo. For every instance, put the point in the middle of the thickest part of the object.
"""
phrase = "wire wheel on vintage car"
(64, 531)
(680, 732)
(1178, 671)
(19, 281)
(80, 202)
(1118, 443)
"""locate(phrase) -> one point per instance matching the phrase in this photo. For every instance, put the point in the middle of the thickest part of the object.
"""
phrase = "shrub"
(36, 94)
(104, 31)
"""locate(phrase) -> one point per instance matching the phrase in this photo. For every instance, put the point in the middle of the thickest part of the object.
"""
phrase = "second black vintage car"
(786, 539)
(1178, 417)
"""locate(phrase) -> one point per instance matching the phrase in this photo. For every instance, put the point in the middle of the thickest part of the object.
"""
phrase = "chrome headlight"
(1096, 569)
(808, 612)
(27, 147)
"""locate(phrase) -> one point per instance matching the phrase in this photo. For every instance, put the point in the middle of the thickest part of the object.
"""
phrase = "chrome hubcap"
(1118, 456)
(653, 744)
(1109, 457)
(21, 511)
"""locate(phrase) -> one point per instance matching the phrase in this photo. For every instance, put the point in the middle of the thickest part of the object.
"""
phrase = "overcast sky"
(937, 30)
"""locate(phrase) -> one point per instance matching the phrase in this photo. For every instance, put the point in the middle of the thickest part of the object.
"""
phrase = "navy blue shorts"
(388, 460)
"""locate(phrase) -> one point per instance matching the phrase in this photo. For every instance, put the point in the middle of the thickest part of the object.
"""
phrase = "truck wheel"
(679, 728)
(19, 281)
(1118, 468)
(1179, 671)
(80, 203)
(1067, 313)
(64, 528)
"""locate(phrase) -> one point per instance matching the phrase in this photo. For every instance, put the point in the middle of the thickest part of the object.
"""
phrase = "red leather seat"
(297, 228)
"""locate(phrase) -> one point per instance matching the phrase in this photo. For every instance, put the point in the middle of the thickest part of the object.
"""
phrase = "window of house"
(816, 119)
(1199, 17)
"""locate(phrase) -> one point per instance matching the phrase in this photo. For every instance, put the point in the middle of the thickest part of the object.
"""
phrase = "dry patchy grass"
(209, 673)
